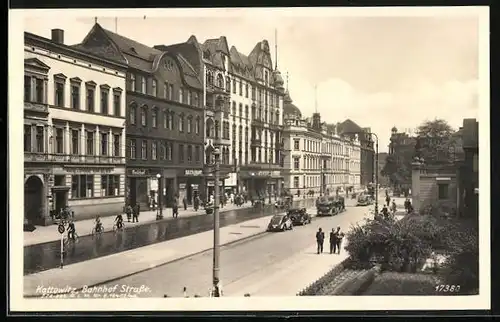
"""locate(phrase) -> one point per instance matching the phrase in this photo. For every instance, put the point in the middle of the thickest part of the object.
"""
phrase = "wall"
(429, 190)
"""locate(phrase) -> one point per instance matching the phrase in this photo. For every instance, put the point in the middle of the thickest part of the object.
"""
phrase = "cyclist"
(119, 221)
(71, 231)
(98, 224)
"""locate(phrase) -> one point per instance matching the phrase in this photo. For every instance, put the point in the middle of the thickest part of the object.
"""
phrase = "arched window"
(133, 113)
(195, 99)
(220, 81)
(165, 119)
(189, 123)
(154, 117)
(217, 128)
(246, 111)
(181, 122)
(171, 120)
(241, 110)
(197, 125)
(144, 115)
(234, 108)
(228, 84)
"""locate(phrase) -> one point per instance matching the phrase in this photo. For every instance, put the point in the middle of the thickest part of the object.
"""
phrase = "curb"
(315, 286)
(245, 239)
(358, 284)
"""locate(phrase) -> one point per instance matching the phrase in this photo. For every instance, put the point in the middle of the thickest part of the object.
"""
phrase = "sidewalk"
(44, 234)
(134, 261)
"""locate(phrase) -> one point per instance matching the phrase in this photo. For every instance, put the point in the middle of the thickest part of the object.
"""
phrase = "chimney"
(58, 36)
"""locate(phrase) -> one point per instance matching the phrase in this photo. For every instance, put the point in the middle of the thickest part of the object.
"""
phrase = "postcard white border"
(15, 110)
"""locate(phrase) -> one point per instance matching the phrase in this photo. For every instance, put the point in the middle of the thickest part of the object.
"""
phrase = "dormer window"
(206, 54)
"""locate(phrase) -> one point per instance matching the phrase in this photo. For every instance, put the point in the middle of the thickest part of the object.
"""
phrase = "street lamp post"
(216, 246)
(159, 212)
(269, 182)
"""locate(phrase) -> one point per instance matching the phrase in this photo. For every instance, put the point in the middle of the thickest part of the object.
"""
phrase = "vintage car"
(283, 203)
(330, 206)
(280, 222)
(299, 216)
(364, 200)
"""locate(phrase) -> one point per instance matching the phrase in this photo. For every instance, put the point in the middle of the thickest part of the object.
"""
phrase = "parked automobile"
(364, 200)
(280, 222)
(299, 216)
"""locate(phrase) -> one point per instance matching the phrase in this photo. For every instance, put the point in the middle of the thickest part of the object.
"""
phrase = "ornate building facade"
(74, 133)
(243, 98)
(165, 119)
(316, 157)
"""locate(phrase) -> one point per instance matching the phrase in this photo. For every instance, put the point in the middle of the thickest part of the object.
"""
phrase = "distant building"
(402, 148)
(74, 130)
(316, 157)
(382, 180)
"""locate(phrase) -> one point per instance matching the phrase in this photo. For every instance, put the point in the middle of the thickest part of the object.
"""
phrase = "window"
(59, 140)
(90, 143)
(246, 90)
(246, 111)
(188, 97)
(197, 125)
(110, 185)
(180, 95)
(132, 151)
(75, 146)
(82, 186)
(75, 96)
(197, 154)
(117, 106)
(154, 117)
(59, 93)
(181, 153)
(189, 153)
(220, 81)
(241, 88)
(234, 85)
(195, 99)
(144, 150)
(90, 98)
(253, 93)
(170, 119)
(228, 84)
(143, 116)
(296, 163)
(116, 145)
(132, 82)
(27, 138)
(170, 152)
(104, 101)
(181, 123)
(296, 143)
(266, 76)
(443, 191)
(27, 88)
(154, 88)
(165, 90)
(163, 151)
(39, 88)
(189, 124)
(170, 92)
(132, 115)
(184, 96)
(143, 85)
(296, 182)
(154, 147)
(104, 143)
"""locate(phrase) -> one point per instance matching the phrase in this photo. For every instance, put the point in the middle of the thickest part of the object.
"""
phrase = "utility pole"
(216, 246)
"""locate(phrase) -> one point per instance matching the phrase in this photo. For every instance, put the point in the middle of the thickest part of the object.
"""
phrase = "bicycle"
(97, 231)
(116, 228)
(67, 240)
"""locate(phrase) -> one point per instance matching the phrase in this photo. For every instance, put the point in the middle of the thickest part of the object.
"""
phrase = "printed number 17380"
(446, 288)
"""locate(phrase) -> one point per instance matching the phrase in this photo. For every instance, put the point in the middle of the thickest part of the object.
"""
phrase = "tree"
(397, 168)
(436, 141)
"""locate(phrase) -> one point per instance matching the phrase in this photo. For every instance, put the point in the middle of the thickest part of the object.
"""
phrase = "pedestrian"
(175, 208)
(185, 203)
(387, 200)
(128, 211)
(394, 208)
(71, 230)
(136, 211)
(340, 236)
(385, 212)
(333, 241)
(196, 203)
(320, 238)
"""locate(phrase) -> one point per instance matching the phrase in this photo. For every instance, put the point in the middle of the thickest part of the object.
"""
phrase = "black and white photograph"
(273, 158)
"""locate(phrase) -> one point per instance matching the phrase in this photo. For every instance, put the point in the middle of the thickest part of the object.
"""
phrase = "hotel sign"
(138, 172)
(193, 172)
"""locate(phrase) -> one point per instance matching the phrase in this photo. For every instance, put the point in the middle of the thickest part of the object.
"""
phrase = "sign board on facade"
(193, 172)
(182, 186)
(138, 172)
(88, 170)
(195, 186)
(443, 179)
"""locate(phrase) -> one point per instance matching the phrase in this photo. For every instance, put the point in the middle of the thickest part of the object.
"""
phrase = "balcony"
(36, 107)
(221, 141)
(72, 158)
(214, 89)
(256, 142)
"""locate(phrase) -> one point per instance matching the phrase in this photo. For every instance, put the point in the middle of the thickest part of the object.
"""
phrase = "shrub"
(397, 245)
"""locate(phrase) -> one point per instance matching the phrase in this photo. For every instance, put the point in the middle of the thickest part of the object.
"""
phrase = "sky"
(379, 71)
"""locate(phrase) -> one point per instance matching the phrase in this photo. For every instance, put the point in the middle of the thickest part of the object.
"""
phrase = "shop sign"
(89, 170)
(193, 172)
(182, 186)
(195, 186)
(138, 172)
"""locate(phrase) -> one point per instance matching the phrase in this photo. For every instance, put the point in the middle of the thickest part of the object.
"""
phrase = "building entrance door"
(33, 200)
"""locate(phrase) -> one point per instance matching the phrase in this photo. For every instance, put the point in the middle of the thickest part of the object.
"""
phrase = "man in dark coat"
(185, 203)
(320, 238)
(175, 208)
(333, 241)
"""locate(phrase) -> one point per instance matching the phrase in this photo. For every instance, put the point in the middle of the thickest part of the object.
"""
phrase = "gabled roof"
(349, 126)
